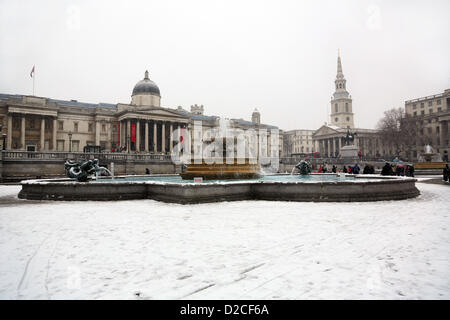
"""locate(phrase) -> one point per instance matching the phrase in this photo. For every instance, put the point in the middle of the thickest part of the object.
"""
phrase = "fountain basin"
(170, 188)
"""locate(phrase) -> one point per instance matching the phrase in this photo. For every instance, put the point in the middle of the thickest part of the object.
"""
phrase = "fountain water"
(221, 166)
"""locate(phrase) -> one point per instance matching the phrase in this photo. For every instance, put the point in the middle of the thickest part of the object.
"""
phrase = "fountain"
(222, 166)
(229, 178)
(429, 159)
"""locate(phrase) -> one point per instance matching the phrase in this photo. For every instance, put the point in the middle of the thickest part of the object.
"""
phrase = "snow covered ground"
(144, 249)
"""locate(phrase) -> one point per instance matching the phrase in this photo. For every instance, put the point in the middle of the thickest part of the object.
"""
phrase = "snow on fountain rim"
(367, 178)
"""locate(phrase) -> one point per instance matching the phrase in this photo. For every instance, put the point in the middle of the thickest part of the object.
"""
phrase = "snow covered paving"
(144, 249)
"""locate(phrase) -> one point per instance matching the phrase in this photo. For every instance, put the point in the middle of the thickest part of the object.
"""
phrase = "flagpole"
(34, 76)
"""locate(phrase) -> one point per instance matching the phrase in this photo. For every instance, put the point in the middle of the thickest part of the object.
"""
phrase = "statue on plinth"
(349, 138)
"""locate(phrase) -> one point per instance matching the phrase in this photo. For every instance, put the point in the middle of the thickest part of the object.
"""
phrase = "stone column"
(155, 140)
(54, 147)
(128, 135)
(334, 147)
(97, 133)
(22, 132)
(146, 137)
(171, 137)
(163, 137)
(9, 136)
(138, 135)
(339, 146)
(42, 134)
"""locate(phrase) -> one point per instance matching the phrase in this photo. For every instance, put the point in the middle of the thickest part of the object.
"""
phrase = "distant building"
(298, 142)
(433, 117)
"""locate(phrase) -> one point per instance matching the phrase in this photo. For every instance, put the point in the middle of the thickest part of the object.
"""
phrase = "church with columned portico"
(329, 138)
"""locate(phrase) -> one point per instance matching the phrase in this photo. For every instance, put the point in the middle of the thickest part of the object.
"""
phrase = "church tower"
(341, 102)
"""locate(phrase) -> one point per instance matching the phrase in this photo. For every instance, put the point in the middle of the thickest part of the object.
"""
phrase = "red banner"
(133, 132)
(118, 129)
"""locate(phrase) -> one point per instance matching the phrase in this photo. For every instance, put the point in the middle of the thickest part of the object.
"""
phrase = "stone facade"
(30, 123)
(433, 117)
(298, 142)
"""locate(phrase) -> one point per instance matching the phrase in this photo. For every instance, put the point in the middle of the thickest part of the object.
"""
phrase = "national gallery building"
(30, 123)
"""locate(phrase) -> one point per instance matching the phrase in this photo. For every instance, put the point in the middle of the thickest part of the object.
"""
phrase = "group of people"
(387, 170)
(353, 170)
(397, 170)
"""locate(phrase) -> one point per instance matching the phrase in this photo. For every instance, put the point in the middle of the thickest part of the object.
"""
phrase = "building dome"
(146, 86)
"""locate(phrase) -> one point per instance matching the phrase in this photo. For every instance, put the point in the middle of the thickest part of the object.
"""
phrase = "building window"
(75, 127)
(348, 119)
(103, 127)
(439, 109)
(414, 106)
(422, 104)
(60, 125)
(430, 130)
(31, 124)
(346, 107)
(415, 113)
(336, 119)
(75, 146)
(60, 145)
(90, 127)
(438, 102)
(430, 103)
(430, 111)
(437, 129)
(422, 112)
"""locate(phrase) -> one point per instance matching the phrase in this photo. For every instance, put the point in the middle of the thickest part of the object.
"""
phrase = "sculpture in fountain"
(82, 171)
(223, 166)
(304, 167)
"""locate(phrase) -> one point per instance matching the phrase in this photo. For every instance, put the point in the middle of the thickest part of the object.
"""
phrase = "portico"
(150, 131)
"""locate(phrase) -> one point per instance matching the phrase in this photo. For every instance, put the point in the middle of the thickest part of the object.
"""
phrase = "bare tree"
(399, 130)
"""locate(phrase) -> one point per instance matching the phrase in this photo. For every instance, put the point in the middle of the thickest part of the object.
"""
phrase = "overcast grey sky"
(230, 56)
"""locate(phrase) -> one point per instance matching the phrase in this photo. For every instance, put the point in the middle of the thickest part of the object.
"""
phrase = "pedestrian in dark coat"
(366, 169)
(387, 170)
(333, 169)
(446, 173)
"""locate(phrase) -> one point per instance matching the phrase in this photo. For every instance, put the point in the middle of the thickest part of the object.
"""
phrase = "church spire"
(339, 75)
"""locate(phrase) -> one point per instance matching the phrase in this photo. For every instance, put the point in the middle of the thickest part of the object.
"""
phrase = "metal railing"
(49, 156)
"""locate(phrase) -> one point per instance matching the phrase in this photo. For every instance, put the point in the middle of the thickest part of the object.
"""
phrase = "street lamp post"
(70, 141)
(4, 138)
(128, 143)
